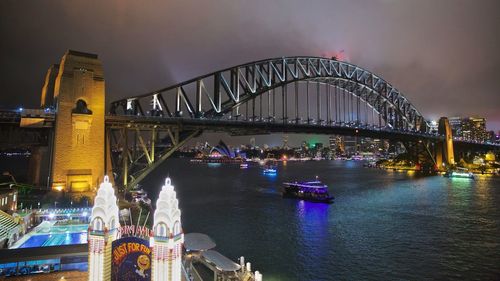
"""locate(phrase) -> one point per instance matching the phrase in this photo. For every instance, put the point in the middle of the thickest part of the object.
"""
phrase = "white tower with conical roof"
(168, 236)
(103, 229)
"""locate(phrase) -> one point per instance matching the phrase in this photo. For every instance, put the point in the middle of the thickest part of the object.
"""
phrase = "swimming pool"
(62, 228)
(42, 240)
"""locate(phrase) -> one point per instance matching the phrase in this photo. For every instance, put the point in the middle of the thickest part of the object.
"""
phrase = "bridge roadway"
(241, 127)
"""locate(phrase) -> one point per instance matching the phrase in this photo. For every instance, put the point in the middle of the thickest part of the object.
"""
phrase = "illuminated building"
(469, 128)
(351, 145)
(456, 125)
(168, 236)
(336, 144)
(331, 142)
(474, 128)
(104, 223)
(8, 200)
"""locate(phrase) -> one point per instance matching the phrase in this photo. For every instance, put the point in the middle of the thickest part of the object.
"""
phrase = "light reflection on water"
(384, 225)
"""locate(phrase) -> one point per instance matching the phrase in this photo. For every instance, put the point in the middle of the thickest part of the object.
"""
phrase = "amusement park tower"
(168, 237)
(104, 225)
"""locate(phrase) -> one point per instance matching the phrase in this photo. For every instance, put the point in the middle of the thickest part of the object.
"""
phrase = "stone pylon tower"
(103, 230)
(445, 152)
(168, 236)
(79, 99)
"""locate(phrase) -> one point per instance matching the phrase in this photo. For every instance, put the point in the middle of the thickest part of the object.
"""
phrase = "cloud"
(442, 54)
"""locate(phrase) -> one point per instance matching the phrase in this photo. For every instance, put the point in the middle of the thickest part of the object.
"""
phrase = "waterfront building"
(469, 128)
(456, 125)
(332, 143)
(351, 145)
(474, 128)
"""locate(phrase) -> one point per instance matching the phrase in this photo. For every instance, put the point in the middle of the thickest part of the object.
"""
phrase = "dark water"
(383, 226)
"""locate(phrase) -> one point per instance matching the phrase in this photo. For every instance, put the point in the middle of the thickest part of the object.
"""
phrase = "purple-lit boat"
(313, 191)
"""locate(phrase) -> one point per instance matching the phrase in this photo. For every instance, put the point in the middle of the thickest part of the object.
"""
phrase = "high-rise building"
(456, 125)
(474, 129)
(351, 144)
(332, 142)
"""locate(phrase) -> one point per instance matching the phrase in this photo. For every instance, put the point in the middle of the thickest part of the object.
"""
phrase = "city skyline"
(151, 53)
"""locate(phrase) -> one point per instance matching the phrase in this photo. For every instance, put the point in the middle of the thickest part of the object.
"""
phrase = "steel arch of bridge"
(220, 94)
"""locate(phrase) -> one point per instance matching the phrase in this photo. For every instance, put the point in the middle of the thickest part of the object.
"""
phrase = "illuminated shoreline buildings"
(470, 128)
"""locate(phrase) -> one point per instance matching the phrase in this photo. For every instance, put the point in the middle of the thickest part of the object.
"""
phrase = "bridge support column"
(35, 166)
(445, 154)
(79, 140)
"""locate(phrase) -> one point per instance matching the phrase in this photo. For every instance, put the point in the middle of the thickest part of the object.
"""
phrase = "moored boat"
(313, 191)
(459, 174)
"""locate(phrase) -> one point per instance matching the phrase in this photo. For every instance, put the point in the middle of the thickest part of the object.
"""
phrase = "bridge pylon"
(444, 150)
(79, 144)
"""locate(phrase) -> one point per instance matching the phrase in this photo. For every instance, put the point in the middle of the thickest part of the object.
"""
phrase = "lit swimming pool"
(42, 240)
(62, 228)
(50, 234)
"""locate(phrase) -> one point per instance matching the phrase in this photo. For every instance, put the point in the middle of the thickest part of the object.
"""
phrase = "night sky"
(444, 55)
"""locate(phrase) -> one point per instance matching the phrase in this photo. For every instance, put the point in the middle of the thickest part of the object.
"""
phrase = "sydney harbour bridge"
(290, 95)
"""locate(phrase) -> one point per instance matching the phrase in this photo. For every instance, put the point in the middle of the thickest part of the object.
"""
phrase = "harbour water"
(384, 225)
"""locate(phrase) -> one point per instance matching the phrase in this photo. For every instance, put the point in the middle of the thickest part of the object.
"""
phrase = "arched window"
(98, 224)
(112, 223)
(177, 228)
(161, 230)
(81, 107)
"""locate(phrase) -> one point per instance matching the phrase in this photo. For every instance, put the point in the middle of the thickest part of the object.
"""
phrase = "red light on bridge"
(335, 55)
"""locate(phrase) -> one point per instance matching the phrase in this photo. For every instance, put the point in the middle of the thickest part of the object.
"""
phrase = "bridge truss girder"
(137, 149)
(221, 94)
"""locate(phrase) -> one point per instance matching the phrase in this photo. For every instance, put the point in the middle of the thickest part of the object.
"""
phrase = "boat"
(140, 196)
(243, 165)
(459, 174)
(313, 191)
(270, 168)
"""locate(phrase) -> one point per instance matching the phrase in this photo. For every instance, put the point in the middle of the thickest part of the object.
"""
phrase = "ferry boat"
(270, 168)
(313, 191)
(459, 174)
